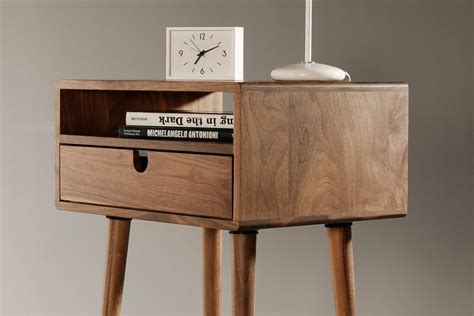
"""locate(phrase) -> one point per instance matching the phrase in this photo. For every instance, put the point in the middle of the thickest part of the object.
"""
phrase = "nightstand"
(303, 153)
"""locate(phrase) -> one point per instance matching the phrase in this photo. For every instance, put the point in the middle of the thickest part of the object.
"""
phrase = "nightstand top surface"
(223, 86)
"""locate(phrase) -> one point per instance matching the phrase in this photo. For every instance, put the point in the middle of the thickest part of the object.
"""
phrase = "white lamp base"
(310, 71)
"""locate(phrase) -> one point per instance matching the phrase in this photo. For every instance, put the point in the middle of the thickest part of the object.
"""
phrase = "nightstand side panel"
(323, 156)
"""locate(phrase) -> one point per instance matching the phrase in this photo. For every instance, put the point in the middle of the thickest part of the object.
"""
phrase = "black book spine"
(202, 134)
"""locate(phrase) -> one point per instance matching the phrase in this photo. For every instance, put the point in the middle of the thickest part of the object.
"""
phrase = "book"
(180, 119)
(207, 134)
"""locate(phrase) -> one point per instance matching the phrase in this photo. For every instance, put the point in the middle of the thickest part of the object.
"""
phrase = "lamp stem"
(308, 29)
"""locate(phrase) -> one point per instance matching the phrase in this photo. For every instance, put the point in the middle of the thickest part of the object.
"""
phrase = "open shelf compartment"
(92, 117)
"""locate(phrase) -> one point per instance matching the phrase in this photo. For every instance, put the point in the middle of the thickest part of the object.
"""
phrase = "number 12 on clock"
(204, 53)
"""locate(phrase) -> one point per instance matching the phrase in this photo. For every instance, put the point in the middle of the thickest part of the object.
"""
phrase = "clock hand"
(208, 50)
(201, 52)
(195, 45)
(199, 57)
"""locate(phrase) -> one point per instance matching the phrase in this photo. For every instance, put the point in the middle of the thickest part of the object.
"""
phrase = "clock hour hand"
(199, 57)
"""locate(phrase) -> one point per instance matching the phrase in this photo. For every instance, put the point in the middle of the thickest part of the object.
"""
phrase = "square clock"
(205, 53)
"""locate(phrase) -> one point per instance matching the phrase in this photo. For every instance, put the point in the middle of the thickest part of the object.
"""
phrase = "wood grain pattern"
(243, 273)
(119, 231)
(188, 220)
(310, 220)
(102, 112)
(321, 86)
(172, 182)
(149, 85)
(264, 157)
(218, 86)
(152, 144)
(323, 156)
(236, 152)
(342, 265)
(212, 262)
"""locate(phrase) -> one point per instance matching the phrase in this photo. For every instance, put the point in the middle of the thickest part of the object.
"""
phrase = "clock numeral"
(202, 71)
(181, 52)
(224, 53)
(202, 36)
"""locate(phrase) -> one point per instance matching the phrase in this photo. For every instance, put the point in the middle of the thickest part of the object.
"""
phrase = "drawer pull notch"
(140, 160)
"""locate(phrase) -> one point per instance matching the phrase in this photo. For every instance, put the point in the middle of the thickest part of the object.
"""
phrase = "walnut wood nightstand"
(303, 153)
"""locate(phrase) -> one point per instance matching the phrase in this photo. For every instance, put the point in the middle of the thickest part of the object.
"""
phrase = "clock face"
(202, 53)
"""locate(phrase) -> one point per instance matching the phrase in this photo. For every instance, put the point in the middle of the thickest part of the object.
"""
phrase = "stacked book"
(179, 126)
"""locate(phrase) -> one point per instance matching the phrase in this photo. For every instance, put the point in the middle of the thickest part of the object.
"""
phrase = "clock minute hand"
(208, 50)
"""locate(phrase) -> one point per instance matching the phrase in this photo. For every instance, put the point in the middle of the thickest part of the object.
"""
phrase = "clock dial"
(201, 53)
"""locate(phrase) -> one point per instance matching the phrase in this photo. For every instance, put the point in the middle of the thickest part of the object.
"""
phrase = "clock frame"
(233, 70)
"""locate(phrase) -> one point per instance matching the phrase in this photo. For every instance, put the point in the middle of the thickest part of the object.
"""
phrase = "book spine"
(190, 120)
(220, 135)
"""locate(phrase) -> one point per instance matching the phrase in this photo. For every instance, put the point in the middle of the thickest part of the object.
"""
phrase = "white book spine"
(189, 120)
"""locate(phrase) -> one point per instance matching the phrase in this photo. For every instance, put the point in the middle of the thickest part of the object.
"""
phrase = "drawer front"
(172, 182)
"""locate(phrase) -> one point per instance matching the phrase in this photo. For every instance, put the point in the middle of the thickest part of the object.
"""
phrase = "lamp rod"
(308, 31)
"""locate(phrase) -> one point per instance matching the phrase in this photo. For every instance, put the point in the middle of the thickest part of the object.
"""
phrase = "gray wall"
(52, 262)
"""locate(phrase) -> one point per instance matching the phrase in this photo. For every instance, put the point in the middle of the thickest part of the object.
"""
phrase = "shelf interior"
(100, 113)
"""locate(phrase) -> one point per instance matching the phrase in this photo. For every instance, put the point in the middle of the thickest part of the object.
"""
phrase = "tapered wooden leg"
(119, 231)
(243, 273)
(212, 257)
(342, 264)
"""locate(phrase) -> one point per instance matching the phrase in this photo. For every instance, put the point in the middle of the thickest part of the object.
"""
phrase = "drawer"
(168, 182)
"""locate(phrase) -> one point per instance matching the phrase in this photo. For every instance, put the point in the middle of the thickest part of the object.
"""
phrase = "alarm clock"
(205, 53)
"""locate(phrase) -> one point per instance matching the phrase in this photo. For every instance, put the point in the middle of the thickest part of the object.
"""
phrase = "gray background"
(53, 262)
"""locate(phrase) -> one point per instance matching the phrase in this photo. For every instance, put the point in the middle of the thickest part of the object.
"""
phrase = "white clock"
(205, 53)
